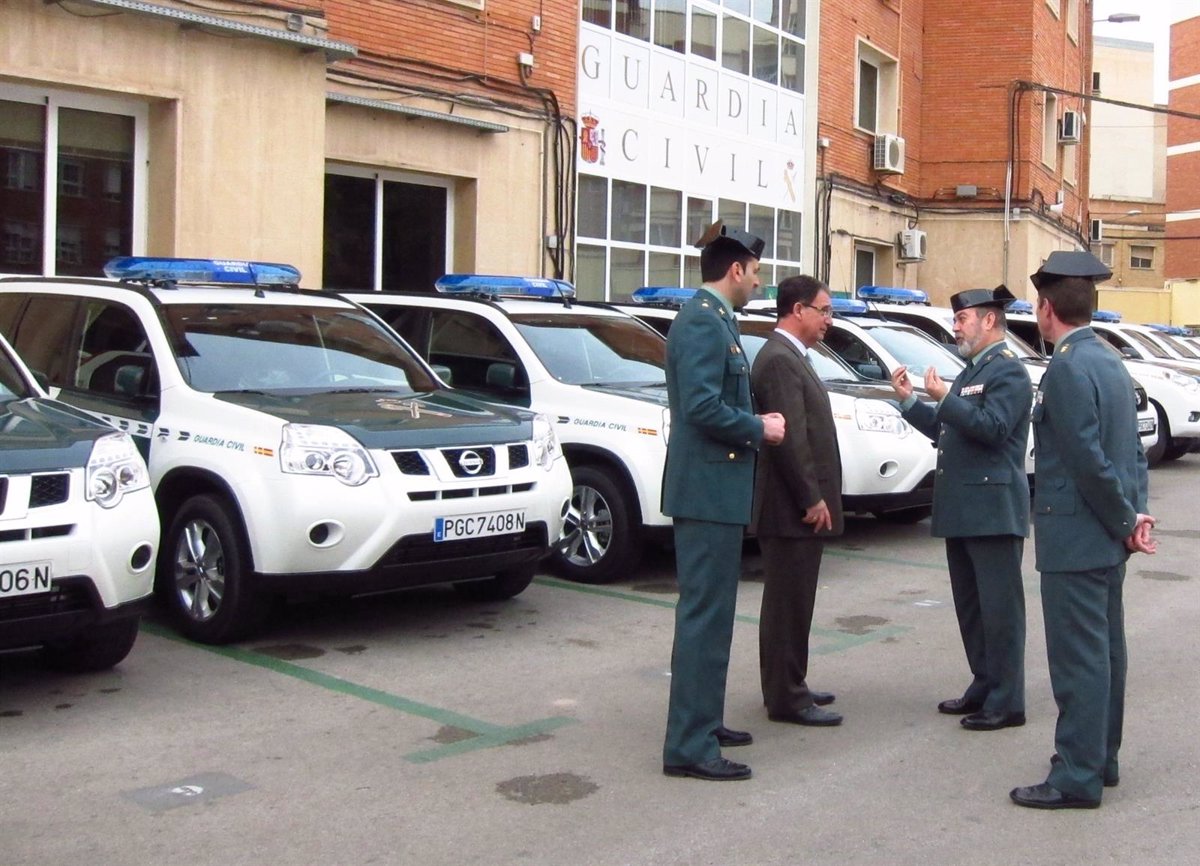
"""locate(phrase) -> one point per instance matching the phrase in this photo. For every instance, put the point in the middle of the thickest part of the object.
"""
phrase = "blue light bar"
(662, 295)
(1172, 330)
(1106, 316)
(891, 294)
(1020, 306)
(221, 271)
(534, 287)
(850, 307)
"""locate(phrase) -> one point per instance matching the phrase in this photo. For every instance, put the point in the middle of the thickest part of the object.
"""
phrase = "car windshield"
(595, 350)
(12, 384)
(1183, 350)
(916, 351)
(1147, 345)
(277, 347)
(829, 366)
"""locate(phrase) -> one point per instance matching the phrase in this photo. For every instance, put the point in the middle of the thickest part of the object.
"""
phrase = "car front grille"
(36, 532)
(468, 492)
(70, 598)
(410, 462)
(518, 456)
(50, 489)
(487, 461)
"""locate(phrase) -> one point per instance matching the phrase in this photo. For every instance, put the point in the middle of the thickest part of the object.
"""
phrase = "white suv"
(78, 529)
(597, 371)
(294, 443)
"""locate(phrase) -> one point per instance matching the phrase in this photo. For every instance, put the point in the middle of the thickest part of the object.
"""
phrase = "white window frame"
(1050, 132)
(887, 89)
(56, 99)
(873, 249)
(1133, 248)
(1055, 7)
(1073, 20)
(382, 176)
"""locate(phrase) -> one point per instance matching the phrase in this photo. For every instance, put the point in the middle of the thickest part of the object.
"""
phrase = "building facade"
(1183, 153)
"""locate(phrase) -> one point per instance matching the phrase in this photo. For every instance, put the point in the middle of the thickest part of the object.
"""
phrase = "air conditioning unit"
(912, 244)
(1096, 231)
(1071, 128)
(889, 153)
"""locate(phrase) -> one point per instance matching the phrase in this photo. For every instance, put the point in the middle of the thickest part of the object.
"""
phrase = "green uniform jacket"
(709, 474)
(1091, 470)
(981, 429)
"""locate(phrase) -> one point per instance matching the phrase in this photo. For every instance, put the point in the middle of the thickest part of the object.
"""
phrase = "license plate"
(1146, 425)
(24, 578)
(478, 525)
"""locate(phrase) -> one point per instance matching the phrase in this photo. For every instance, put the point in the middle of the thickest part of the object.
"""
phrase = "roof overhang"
(410, 111)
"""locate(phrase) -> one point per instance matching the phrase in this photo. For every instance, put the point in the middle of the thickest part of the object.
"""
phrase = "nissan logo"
(470, 462)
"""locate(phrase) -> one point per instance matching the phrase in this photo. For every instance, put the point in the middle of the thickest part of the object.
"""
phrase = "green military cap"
(1063, 263)
(996, 297)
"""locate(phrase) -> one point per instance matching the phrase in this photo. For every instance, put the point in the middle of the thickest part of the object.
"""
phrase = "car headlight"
(310, 449)
(875, 416)
(545, 442)
(114, 469)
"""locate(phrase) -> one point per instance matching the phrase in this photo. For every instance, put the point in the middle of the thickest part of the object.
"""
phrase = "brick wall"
(1183, 169)
(453, 48)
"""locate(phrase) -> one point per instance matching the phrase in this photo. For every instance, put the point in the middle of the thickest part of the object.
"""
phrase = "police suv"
(887, 467)
(293, 442)
(598, 372)
(78, 528)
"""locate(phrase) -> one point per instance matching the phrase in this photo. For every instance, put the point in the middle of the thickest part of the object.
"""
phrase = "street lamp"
(1118, 18)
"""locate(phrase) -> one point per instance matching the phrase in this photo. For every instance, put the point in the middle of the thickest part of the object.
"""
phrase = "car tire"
(502, 587)
(203, 571)
(100, 648)
(1177, 449)
(1155, 453)
(600, 539)
(905, 516)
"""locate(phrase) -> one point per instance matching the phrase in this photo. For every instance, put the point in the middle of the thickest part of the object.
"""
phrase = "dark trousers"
(708, 563)
(989, 599)
(791, 567)
(1085, 646)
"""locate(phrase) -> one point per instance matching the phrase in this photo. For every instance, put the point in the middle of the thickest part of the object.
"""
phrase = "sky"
(1155, 27)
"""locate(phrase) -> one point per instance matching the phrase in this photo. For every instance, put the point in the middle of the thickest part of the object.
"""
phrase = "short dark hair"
(1001, 317)
(1073, 298)
(718, 257)
(801, 289)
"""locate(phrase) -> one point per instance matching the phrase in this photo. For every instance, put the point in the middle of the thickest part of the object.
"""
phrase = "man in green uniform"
(708, 484)
(981, 503)
(1089, 516)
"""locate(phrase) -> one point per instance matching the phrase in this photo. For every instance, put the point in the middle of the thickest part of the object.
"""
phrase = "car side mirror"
(1128, 352)
(871, 371)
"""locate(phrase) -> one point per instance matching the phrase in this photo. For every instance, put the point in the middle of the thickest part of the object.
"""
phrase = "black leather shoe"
(728, 737)
(822, 699)
(959, 707)
(716, 769)
(1109, 781)
(989, 721)
(813, 716)
(1045, 796)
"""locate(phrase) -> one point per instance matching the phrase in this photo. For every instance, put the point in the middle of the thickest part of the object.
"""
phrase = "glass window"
(670, 24)
(593, 206)
(704, 33)
(598, 12)
(666, 216)
(766, 55)
(691, 271)
(791, 14)
(864, 267)
(414, 236)
(629, 212)
(789, 236)
(114, 356)
(868, 95)
(349, 252)
(699, 218)
(762, 223)
(591, 266)
(735, 44)
(742, 7)
(766, 12)
(478, 355)
(663, 270)
(732, 213)
(1141, 257)
(791, 66)
(593, 349)
(45, 337)
(628, 272)
(633, 18)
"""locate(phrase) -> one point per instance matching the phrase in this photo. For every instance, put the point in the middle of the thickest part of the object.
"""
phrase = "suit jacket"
(709, 473)
(806, 467)
(1091, 470)
(981, 429)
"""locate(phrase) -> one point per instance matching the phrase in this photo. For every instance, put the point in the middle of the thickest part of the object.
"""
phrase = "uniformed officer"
(1089, 516)
(708, 484)
(981, 502)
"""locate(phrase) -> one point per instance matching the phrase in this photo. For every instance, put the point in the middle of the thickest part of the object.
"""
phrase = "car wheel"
(202, 573)
(1154, 454)
(1177, 449)
(99, 649)
(503, 586)
(600, 541)
(905, 516)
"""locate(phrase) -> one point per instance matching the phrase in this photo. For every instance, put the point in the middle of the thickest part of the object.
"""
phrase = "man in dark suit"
(797, 500)
(707, 488)
(1089, 516)
(981, 503)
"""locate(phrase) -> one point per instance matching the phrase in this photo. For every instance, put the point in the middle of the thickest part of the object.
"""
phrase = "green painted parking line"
(486, 734)
(834, 640)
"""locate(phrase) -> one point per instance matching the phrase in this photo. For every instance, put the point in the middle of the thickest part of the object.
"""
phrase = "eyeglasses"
(827, 312)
